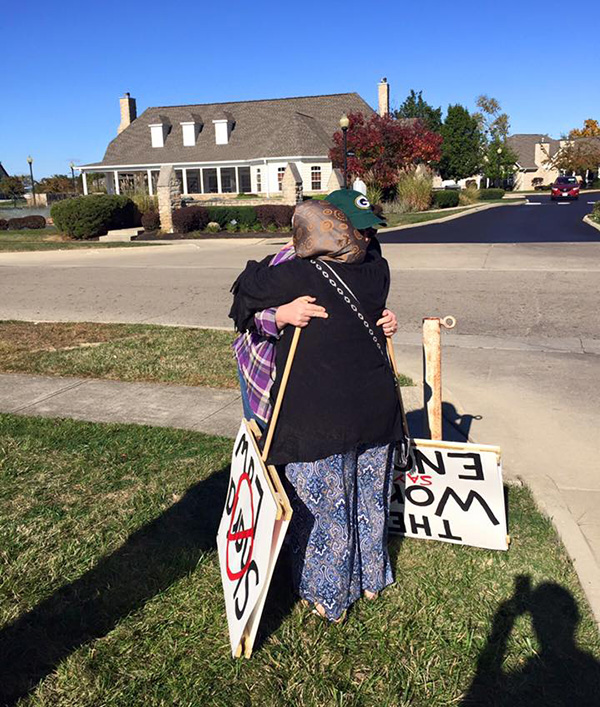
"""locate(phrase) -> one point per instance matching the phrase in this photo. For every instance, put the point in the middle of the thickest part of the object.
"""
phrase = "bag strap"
(342, 289)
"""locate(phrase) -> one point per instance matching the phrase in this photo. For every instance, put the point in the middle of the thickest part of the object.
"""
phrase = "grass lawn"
(128, 352)
(110, 594)
(49, 239)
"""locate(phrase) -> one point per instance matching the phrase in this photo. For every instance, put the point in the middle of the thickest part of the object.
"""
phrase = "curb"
(451, 217)
(590, 222)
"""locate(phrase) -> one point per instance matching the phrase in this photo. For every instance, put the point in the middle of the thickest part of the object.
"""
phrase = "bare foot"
(370, 595)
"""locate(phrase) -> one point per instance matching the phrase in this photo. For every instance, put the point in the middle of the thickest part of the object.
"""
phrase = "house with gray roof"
(534, 154)
(228, 148)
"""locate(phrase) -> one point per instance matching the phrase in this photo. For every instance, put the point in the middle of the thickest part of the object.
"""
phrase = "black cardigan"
(340, 392)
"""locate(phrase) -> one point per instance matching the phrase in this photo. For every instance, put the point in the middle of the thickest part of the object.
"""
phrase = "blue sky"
(72, 60)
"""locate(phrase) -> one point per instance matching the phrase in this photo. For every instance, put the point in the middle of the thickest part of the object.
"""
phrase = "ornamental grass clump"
(595, 215)
(413, 193)
(213, 227)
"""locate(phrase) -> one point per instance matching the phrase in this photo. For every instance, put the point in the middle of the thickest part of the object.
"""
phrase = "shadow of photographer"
(559, 674)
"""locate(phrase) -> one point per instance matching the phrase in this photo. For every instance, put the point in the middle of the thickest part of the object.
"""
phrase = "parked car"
(565, 188)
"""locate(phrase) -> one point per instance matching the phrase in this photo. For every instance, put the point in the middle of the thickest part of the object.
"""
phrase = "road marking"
(563, 203)
(533, 203)
(591, 202)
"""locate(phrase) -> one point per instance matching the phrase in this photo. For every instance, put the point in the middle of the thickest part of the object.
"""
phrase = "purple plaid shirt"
(255, 351)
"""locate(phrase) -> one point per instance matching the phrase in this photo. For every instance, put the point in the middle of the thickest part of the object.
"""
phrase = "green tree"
(462, 144)
(578, 156)
(415, 106)
(498, 161)
(12, 188)
(58, 184)
(492, 122)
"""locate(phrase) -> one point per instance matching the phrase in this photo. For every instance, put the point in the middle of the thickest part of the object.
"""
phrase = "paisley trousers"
(338, 532)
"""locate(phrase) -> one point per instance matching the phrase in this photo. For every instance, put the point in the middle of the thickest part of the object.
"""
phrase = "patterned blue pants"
(338, 533)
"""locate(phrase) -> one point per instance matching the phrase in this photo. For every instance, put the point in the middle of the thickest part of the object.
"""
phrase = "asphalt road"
(539, 221)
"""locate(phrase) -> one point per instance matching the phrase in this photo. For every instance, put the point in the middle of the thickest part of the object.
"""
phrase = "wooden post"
(432, 372)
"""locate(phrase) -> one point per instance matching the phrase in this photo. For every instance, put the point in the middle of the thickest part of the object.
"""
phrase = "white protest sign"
(451, 492)
(249, 538)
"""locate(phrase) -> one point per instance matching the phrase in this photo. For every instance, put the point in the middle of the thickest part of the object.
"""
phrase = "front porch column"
(237, 180)
(150, 188)
(116, 177)
(84, 182)
(219, 189)
(109, 179)
(184, 180)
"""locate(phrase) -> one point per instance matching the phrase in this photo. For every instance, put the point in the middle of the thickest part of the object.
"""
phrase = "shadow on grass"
(559, 674)
(151, 560)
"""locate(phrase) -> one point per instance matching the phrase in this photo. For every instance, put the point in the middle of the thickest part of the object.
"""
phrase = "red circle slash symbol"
(240, 534)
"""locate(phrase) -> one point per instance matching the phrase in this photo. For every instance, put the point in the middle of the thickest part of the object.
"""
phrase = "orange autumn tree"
(591, 128)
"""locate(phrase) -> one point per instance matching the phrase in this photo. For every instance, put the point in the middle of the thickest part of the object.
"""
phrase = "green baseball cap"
(356, 206)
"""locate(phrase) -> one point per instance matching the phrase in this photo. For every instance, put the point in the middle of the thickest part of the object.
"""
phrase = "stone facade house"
(220, 149)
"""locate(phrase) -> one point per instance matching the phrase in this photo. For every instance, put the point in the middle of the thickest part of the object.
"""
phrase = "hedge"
(190, 218)
(3, 224)
(445, 199)
(279, 214)
(34, 221)
(488, 194)
(94, 215)
(151, 220)
(244, 216)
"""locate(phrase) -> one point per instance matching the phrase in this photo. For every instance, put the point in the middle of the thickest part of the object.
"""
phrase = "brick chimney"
(128, 112)
(383, 90)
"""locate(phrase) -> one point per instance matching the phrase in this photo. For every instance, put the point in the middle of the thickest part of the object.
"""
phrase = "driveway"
(538, 221)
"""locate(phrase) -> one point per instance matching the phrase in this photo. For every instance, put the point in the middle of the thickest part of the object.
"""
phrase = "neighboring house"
(3, 172)
(228, 148)
(534, 152)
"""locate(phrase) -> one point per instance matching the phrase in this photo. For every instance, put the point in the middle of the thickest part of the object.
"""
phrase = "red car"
(565, 188)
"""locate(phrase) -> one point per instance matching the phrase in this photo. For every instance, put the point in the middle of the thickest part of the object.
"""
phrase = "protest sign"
(250, 535)
(451, 492)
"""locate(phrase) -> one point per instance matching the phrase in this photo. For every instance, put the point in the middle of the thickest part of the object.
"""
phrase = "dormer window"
(223, 128)
(190, 130)
(159, 132)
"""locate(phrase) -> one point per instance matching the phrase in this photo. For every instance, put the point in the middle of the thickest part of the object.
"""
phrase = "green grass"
(110, 594)
(49, 239)
(421, 216)
(127, 352)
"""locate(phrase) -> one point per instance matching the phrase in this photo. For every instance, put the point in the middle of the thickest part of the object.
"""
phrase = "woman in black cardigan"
(340, 412)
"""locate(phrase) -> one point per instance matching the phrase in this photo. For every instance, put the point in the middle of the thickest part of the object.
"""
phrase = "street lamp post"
(499, 151)
(72, 166)
(30, 163)
(344, 123)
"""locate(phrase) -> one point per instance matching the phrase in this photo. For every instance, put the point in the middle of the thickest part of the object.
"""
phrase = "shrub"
(446, 199)
(278, 214)
(151, 220)
(232, 226)
(3, 224)
(595, 184)
(596, 212)
(213, 227)
(488, 194)
(468, 196)
(190, 218)
(243, 215)
(413, 192)
(144, 201)
(94, 215)
(26, 222)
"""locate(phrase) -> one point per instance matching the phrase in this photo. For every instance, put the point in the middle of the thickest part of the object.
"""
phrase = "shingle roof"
(524, 145)
(3, 172)
(281, 127)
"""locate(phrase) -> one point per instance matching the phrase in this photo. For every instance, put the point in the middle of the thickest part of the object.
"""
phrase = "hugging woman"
(340, 413)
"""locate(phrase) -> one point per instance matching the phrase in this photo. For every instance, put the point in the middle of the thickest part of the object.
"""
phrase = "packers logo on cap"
(362, 202)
